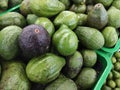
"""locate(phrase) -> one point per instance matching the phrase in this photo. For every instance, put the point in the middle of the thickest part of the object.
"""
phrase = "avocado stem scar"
(37, 31)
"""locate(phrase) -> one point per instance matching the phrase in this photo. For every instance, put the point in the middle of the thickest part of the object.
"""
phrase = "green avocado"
(47, 24)
(3, 5)
(46, 8)
(12, 18)
(63, 41)
(25, 7)
(113, 17)
(62, 83)
(86, 78)
(74, 65)
(9, 48)
(110, 35)
(89, 57)
(44, 69)
(68, 18)
(91, 38)
(14, 76)
(31, 18)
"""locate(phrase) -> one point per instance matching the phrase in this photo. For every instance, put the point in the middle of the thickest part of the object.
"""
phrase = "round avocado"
(86, 79)
(34, 40)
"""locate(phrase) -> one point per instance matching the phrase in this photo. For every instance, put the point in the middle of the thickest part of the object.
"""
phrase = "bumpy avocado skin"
(12, 18)
(9, 48)
(25, 7)
(13, 76)
(34, 41)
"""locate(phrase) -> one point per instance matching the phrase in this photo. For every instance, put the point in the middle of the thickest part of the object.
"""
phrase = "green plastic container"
(113, 49)
(105, 60)
(104, 56)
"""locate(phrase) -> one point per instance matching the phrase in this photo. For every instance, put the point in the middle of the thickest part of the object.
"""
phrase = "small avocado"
(34, 41)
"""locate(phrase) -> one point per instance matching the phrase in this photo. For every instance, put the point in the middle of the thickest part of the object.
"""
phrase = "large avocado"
(9, 48)
(13, 76)
(34, 41)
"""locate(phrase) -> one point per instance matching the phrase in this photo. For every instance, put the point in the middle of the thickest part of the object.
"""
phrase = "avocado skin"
(34, 41)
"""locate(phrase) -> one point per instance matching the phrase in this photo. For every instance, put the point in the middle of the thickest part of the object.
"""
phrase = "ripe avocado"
(34, 41)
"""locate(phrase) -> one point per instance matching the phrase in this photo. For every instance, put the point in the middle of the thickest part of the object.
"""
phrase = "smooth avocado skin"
(44, 69)
(46, 8)
(47, 24)
(63, 41)
(68, 18)
(34, 40)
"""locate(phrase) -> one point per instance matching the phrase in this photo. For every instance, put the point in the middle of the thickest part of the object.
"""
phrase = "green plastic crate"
(113, 49)
(103, 58)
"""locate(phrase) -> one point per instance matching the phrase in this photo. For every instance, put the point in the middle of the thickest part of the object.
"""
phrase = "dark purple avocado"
(34, 40)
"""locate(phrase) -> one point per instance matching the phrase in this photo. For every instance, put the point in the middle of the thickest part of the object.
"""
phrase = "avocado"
(34, 41)
(25, 7)
(3, 5)
(12, 18)
(86, 78)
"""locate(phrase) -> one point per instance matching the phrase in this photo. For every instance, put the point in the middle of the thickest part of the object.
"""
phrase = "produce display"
(53, 44)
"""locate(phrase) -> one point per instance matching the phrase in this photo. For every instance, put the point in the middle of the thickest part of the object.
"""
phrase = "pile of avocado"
(113, 79)
(51, 44)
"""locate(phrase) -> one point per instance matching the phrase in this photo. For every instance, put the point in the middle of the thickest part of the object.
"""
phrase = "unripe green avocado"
(89, 57)
(86, 79)
(116, 3)
(114, 17)
(9, 47)
(68, 18)
(47, 24)
(31, 18)
(14, 76)
(12, 18)
(25, 7)
(45, 68)
(106, 3)
(3, 5)
(91, 38)
(46, 8)
(65, 41)
(62, 83)
(74, 65)
(110, 35)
